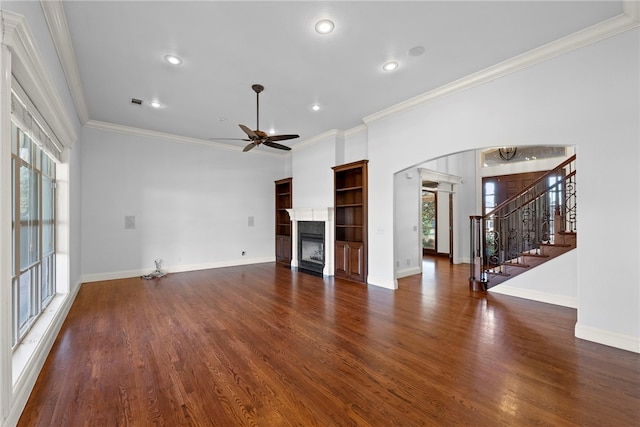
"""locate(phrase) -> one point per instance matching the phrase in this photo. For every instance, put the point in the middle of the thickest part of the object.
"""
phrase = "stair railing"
(524, 222)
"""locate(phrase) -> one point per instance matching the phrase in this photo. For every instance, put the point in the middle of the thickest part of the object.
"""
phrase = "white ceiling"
(228, 46)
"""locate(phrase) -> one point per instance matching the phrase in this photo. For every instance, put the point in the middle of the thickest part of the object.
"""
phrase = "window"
(33, 231)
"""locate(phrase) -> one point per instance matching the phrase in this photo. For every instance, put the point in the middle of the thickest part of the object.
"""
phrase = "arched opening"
(455, 182)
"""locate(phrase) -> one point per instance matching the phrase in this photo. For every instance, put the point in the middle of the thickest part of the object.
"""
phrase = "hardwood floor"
(261, 345)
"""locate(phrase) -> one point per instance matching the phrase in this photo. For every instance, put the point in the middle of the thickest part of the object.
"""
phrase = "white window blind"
(29, 123)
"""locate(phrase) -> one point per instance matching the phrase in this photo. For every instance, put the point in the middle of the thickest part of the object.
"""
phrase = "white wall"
(355, 147)
(554, 282)
(191, 205)
(406, 222)
(587, 98)
(312, 173)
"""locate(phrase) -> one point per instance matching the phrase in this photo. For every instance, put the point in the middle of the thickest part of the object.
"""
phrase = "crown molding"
(134, 131)
(355, 130)
(59, 29)
(29, 69)
(333, 133)
(629, 19)
(631, 8)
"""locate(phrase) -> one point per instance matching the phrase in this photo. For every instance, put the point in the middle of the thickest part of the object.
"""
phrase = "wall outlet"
(408, 261)
(251, 221)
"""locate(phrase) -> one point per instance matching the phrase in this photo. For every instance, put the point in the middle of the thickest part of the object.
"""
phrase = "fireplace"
(311, 253)
(318, 222)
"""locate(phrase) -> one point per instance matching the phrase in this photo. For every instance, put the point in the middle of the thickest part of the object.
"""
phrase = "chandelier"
(507, 153)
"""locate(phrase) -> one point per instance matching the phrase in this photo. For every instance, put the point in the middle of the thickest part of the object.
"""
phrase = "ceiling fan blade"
(249, 146)
(282, 137)
(249, 132)
(276, 145)
(228, 139)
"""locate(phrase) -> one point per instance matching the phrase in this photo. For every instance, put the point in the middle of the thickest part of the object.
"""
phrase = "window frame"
(35, 163)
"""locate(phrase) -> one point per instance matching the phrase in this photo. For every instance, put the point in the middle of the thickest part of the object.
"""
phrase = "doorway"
(437, 221)
(438, 213)
(429, 222)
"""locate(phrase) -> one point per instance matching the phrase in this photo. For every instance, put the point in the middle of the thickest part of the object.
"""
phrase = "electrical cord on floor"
(157, 273)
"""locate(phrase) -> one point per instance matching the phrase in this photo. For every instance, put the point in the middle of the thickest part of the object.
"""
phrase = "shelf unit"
(350, 203)
(284, 199)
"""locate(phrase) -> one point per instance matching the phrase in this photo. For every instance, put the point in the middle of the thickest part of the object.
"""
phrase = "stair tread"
(497, 273)
(557, 245)
(535, 255)
(514, 264)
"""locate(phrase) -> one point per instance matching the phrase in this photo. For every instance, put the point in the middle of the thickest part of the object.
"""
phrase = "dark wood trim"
(283, 201)
(350, 184)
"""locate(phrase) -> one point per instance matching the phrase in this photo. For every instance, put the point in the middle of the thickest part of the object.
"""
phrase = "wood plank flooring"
(262, 345)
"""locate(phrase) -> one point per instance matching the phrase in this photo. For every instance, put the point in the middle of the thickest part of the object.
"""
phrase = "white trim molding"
(611, 339)
(533, 295)
(99, 277)
(133, 131)
(29, 69)
(333, 133)
(59, 29)
(627, 20)
(382, 283)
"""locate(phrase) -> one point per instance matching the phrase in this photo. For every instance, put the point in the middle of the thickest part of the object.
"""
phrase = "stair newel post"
(477, 279)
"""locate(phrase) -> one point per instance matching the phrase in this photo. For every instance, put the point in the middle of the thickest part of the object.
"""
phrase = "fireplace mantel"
(311, 214)
(314, 214)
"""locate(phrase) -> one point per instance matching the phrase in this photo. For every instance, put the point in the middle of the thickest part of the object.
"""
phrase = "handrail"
(519, 225)
(525, 191)
(533, 184)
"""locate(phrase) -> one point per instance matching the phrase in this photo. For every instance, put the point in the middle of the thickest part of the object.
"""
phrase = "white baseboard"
(611, 339)
(383, 283)
(562, 300)
(408, 272)
(97, 277)
(34, 352)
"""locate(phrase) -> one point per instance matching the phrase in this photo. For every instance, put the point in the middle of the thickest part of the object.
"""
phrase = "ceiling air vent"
(136, 101)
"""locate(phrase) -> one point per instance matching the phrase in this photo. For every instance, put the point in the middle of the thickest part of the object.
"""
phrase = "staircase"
(530, 228)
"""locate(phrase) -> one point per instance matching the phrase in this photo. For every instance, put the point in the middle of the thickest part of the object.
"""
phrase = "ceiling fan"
(257, 137)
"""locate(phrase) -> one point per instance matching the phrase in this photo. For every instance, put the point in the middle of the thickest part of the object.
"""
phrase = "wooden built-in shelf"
(350, 203)
(284, 201)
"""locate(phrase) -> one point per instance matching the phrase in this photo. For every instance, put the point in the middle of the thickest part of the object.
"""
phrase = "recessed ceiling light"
(390, 66)
(315, 107)
(324, 26)
(173, 60)
(272, 131)
(155, 104)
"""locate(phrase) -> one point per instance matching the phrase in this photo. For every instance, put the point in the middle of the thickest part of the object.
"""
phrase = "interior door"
(497, 189)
